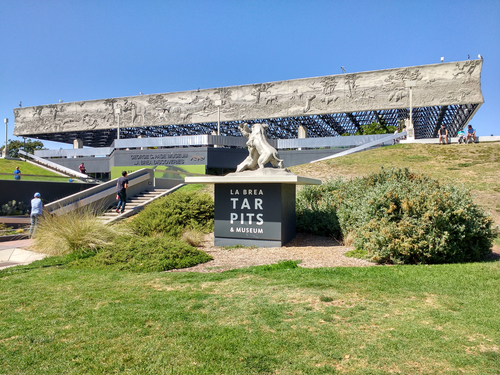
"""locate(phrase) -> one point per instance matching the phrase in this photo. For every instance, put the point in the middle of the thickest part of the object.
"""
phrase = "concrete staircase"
(135, 204)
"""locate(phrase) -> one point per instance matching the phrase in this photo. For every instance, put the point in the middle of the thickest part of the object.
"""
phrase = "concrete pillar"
(302, 134)
(302, 131)
(409, 130)
(77, 143)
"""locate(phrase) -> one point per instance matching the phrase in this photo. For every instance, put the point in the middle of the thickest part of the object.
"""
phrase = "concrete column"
(409, 130)
(77, 143)
(302, 131)
(302, 134)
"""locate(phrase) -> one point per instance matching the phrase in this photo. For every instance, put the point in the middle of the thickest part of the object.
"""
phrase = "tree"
(374, 128)
(15, 145)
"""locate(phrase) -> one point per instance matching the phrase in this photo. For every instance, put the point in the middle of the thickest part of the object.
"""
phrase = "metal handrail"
(99, 193)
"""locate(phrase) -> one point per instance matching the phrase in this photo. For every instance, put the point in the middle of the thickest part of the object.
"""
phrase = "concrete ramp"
(364, 147)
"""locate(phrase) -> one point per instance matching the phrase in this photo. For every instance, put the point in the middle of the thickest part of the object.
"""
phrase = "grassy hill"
(477, 166)
(272, 319)
(8, 166)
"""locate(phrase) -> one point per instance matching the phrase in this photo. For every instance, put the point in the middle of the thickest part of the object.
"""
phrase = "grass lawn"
(269, 319)
(277, 319)
(8, 166)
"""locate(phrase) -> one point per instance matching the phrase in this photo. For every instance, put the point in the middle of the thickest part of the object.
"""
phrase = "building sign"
(160, 159)
(248, 211)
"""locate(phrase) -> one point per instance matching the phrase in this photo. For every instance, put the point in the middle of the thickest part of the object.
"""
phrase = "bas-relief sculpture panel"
(438, 84)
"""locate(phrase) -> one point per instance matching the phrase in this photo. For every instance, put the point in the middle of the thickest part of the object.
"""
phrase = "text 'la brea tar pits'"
(247, 201)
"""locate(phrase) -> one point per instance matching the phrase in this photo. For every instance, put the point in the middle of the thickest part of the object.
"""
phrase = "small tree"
(29, 146)
(375, 128)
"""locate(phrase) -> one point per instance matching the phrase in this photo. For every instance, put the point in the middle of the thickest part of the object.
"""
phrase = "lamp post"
(6, 150)
(218, 103)
(118, 112)
(410, 85)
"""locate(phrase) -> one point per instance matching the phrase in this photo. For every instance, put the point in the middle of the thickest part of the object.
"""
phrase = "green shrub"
(145, 254)
(316, 209)
(14, 208)
(174, 213)
(402, 217)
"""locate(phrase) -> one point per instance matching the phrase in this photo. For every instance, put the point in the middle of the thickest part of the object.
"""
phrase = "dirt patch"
(313, 251)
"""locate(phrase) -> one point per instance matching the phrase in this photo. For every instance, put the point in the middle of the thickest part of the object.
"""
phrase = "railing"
(76, 152)
(386, 139)
(206, 141)
(104, 194)
(353, 140)
(55, 166)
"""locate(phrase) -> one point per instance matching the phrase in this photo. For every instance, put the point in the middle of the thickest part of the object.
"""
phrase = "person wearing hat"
(36, 212)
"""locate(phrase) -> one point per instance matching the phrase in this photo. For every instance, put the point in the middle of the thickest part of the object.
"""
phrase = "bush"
(175, 213)
(145, 254)
(76, 230)
(402, 217)
(316, 210)
(14, 208)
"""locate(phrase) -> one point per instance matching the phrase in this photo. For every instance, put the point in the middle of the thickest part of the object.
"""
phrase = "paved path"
(13, 253)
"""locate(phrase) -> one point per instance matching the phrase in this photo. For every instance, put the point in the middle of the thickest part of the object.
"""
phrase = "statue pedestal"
(254, 208)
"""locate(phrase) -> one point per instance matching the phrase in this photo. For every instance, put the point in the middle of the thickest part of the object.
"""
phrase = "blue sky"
(81, 50)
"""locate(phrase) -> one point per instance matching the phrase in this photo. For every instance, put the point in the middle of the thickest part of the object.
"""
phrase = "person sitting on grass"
(443, 135)
(461, 136)
(471, 134)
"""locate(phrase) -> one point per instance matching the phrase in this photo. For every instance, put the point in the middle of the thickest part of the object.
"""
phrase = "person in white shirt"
(36, 212)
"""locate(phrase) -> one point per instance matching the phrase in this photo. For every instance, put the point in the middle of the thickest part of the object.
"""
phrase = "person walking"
(121, 191)
(17, 174)
(82, 168)
(36, 212)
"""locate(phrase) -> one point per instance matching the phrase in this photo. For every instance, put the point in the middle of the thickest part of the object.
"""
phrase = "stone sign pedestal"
(254, 208)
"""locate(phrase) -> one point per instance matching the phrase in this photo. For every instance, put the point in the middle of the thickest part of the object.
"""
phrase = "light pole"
(410, 85)
(6, 120)
(118, 112)
(218, 103)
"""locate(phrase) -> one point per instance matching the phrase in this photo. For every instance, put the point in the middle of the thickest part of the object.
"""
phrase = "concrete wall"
(432, 85)
(50, 191)
(226, 158)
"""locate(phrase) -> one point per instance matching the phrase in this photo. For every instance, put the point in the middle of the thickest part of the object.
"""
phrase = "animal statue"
(260, 152)
(137, 110)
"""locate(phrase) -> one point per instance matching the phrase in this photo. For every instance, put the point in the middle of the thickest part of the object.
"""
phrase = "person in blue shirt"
(471, 134)
(17, 174)
(461, 136)
(36, 212)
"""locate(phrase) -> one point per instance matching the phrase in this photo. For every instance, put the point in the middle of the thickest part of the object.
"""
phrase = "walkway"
(13, 253)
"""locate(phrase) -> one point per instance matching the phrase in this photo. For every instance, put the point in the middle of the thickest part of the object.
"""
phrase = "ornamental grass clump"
(173, 214)
(400, 217)
(80, 229)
